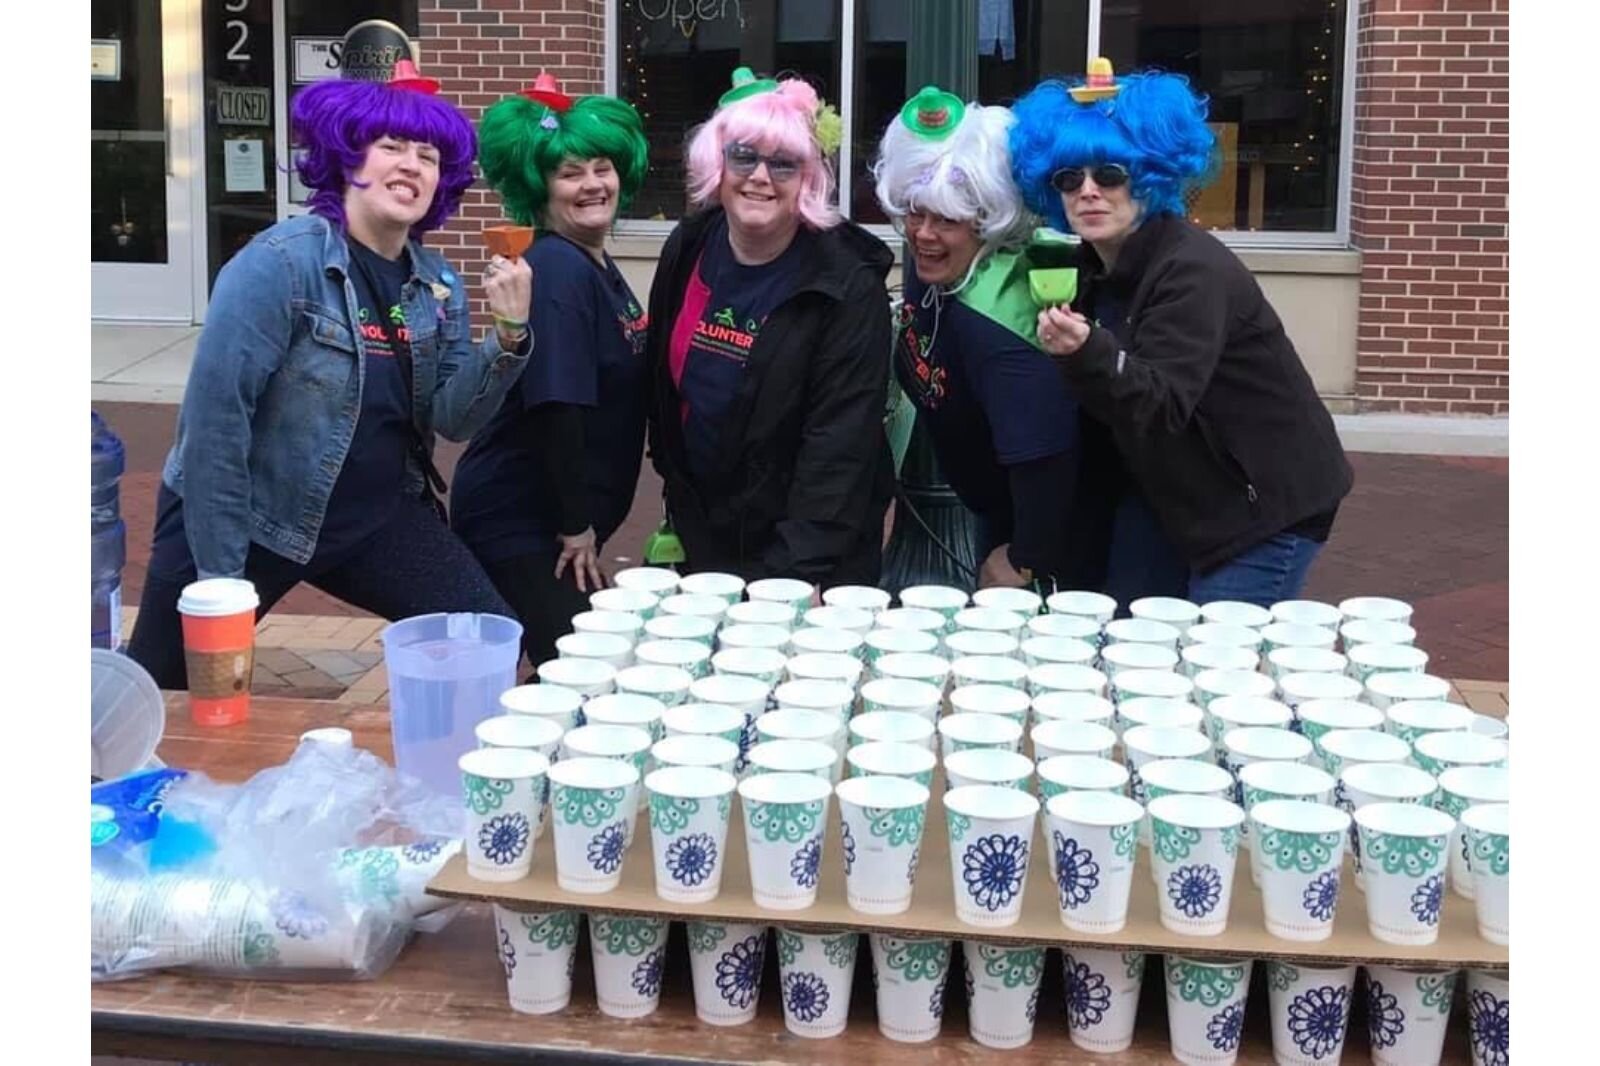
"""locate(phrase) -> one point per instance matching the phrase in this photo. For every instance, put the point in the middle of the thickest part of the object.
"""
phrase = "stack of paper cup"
(1310, 1011)
(1002, 992)
(629, 952)
(1205, 1008)
(784, 816)
(881, 824)
(1101, 990)
(725, 961)
(911, 976)
(1408, 1013)
(816, 971)
(537, 950)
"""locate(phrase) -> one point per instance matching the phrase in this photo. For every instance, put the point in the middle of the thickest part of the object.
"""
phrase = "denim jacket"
(275, 389)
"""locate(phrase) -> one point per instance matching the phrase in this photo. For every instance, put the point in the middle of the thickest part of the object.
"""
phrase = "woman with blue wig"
(1234, 468)
(335, 347)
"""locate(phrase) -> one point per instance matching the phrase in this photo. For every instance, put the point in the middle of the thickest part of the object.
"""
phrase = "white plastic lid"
(218, 597)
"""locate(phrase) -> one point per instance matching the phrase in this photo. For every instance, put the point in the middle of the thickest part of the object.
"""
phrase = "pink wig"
(784, 122)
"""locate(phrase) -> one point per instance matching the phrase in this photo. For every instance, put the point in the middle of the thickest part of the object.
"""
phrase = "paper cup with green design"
(1205, 1008)
(1310, 1008)
(1375, 608)
(1100, 988)
(537, 950)
(1079, 773)
(1071, 626)
(891, 727)
(592, 805)
(729, 587)
(564, 706)
(784, 816)
(816, 971)
(1095, 605)
(1365, 783)
(835, 698)
(504, 794)
(825, 666)
(1157, 684)
(945, 600)
(1181, 777)
(811, 639)
(902, 694)
(1156, 711)
(840, 616)
(1284, 661)
(669, 684)
(1385, 690)
(716, 753)
(1314, 718)
(886, 640)
(965, 642)
(1194, 849)
(763, 664)
(1277, 635)
(1438, 752)
(1146, 743)
(525, 731)
(1252, 744)
(656, 580)
(1459, 789)
(1489, 1016)
(689, 811)
(793, 757)
(628, 952)
(749, 694)
(1091, 844)
(1487, 725)
(1296, 690)
(1298, 858)
(1236, 613)
(1063, 651)
(1142, 631)
(1273, 780)
(1223, 635)
(1342, 748)
(989, 766)
(989, 670)
(1375, 631)
(760, 613)
(1488, 834)
(1002, 992)
(796, 723)
(704, 720)
(1117, 659)
(1408, 1013)
(992, 619)
(627, 743)
(1412, 719)
(1368, 660)
(1175, 612)
(694, 628)
(1234, 712)
(910, 761)
(626, 601)
(961, 732)
(909, 975)
(1073, 707)
(910, 619)
(880, 829)
(1013, 703)
(611, 648)
(748, 636)
(587, 677)
(1021, 601)
(918, 666)
(620, 623)
(1067, 678)
(690, 656)
(725, 962)
(713, 607)
(1213, 684)
(1404, 849)
(627, 708)
(1050, 739)
(795, 593)
(1197, 658)
(991, 840)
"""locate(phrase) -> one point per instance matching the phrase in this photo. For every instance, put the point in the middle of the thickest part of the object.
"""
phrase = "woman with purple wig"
(335, 347)
(770, 353)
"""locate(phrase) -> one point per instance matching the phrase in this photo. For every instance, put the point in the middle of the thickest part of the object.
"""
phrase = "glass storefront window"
(128, 140)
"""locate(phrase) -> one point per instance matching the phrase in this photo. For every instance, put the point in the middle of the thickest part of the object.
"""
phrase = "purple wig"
(336, 121)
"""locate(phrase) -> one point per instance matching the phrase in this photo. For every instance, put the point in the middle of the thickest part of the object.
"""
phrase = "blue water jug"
(108, 540)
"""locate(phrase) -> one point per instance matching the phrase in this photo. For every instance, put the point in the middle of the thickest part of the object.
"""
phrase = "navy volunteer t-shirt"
(989, 398)
(589, 334)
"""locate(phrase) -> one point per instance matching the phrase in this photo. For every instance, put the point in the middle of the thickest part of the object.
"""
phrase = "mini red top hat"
(406, 76)
(547, 91)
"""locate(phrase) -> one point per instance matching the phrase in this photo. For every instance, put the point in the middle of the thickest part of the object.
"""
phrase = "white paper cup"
(592, 806)
(693, 627)
(1342, 748)
(587, 677)
(1072, 738)
(1298, 856)
(918, 667)
(536, 950)
(1368, 660)
(1205, 1008)
(1489, 1016)
(713, 607)
(794, 757)
(1178, 613)
(902, 694)
(989, 766)
(1314, 718)
(1067, 677)
(784, 816)
(825, 666)
(1488, 836)
(627, 708)
(772, 638)
(1079, 773)
(945, 600)
(560, 704)
(883, 641)
(763, 664)
(1234, 712)
(880, 831)
(618, 623)
(729, 587)
(1160, 684)
(1100, 989)
(504, 795)
(1306, 661)
(669, 684)
(625, 601)
(961, 732)
(1249, 744)
(1297, 689)
(991, 620)
(1210, 685)
(1073, 706)
(1438, 752)
(1194, 849)
(965, 642)
(629, 953)
(1408, 1014)
(991, 699)
(1186, 777)
(796, 723)
(1236, 613)
(915, 620)
(716, 753)
(1223, 634)
(1460, 789)
(725, 961)
(1310, 1007)
(624, 743)
(760, 613)
(824, 697)
(1002, 992)
(1092, 838)
(611, 648)
(748, 694)
(1385, 690)
(704, 720)
(1375, 608)
(796, 594)
(1116, 659)
(1038, 651)
(1308, 613)
(1025, 602)
(689, 812)
(1143, 631)
(850, 619)
(910, 976)
(834, 641)
(1375, 631)
(892, 760)
(857, 597)
(1071, 626)
(1196, 659)
(1404, 859)
(1262, 781)
(1412, 719)
(1094, 605)
(891, 727)
(989, 670)
(656, 580)
(1486, 725)
(815, 973)
(1295, 635)
(991, 839)
(1147, 743)
(527, 731)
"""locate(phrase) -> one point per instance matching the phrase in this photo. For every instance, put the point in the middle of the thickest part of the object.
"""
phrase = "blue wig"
(1156, 127)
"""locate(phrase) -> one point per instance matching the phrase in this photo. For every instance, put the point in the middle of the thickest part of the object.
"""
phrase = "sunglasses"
(743, 160)
(1105, 175)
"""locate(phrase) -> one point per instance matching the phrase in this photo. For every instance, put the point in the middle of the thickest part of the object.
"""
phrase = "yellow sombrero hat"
(1100, 84)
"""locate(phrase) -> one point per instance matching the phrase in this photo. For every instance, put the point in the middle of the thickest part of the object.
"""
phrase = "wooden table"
(444, 1000)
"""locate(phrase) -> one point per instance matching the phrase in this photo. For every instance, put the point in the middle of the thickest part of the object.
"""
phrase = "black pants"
(414, 565)
(543, 605)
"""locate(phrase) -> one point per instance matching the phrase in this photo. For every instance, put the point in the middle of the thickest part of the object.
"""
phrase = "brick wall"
(481, 50)
(1429, 208)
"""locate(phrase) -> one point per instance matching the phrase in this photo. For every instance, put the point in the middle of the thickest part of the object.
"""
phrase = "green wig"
(521, 142)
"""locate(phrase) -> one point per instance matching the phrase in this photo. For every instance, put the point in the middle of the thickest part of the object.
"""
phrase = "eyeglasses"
(742, 159)
(1105, 175)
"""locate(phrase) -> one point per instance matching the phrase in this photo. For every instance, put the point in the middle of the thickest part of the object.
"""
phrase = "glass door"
(141, 235)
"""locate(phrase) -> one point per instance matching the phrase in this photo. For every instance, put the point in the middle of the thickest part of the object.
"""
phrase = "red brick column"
(1429, 205)
(482, 50)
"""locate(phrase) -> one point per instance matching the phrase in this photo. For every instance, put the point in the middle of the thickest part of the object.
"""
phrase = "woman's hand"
(997, 571)
(1062, 330)
(580, 552)
(508, 284)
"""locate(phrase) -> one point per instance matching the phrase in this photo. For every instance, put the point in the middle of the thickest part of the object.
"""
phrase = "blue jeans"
(1270, 571)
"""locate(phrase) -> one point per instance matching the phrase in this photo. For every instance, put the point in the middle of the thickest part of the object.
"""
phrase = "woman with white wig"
(1002, 421)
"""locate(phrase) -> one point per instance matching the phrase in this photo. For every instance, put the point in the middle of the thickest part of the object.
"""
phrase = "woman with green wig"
(552, 475)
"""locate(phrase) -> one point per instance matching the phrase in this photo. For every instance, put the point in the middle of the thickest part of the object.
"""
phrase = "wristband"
(510, 325)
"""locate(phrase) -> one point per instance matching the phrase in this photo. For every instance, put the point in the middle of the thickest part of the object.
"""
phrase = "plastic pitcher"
(446, 673)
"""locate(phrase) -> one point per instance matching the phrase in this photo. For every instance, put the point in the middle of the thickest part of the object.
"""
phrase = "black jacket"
(1211, 408)
(806, 474)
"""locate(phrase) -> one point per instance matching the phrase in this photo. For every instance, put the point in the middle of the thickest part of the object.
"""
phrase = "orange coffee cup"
(219, 646)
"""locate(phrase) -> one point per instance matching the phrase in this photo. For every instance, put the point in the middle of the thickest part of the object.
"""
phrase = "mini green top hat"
(933, 113)
(746, 85)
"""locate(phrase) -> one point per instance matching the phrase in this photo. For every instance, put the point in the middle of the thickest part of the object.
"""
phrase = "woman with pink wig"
(771, 360)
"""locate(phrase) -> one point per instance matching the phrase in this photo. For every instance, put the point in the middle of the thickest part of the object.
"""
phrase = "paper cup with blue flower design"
(1438, 752)
(717, 752)
(1404, 850)
(1316, 718)
(627, 708)
(909, 975)
(690, 807)
(1073, 707)
(784, 816)
(537, 950)
(690, 656)
(1147, 743)
(1198, 657)
(1100, 989)
(989, 766)
(1285, 661)
(913, 619)
(657, 580)
(592, 806)
(669, 684)
(725, 961)
(1408, 1013)
(564, 706)
(967, 642)
(880, 831)
(1298, 858)
(816, 970)
(991, 840)
(1205, 1008)
(919, 666)
(891, 727)
(1488, 835)
(504, 794)
(626, 601)
(1056, 651)
(1091, 839)
(793, 757)
(728, 587)
(704, 720)
(886, 640)
(1369, 660)
(910, 761)
(1002, 992)
(1367, 783)
(695, 628)
(902, 694)
(961, 732)
(1489, 1017)
(614, 649)
(1156, 711)
(991, 699)
(1310, 1008)
(625, 624)
(1459, 789)
(629, 952)
(587, 677)
(1194, 849)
